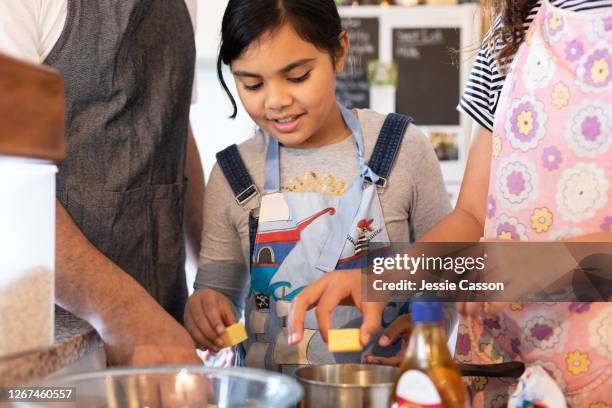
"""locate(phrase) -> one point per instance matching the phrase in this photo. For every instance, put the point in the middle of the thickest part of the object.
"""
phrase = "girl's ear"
(342, 53)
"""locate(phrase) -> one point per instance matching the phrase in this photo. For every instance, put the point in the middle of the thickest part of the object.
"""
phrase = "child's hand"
(333, 289)
(401, 327)
(207, 314)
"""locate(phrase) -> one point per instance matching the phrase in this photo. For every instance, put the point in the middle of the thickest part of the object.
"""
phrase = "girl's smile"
(287, 124)
(287, 86)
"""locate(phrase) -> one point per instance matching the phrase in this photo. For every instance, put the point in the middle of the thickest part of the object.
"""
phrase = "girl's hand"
(400, 327)
(333, 289)
(207, 314)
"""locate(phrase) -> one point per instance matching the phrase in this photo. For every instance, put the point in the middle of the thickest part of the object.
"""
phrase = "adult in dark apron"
(128, 69)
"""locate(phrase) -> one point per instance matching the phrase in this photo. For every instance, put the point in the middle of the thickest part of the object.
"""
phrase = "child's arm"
(222, 275)
(428, 201)
(595, 237)
(466, 222)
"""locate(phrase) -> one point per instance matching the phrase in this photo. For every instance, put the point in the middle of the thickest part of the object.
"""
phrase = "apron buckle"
(381, 183)
(248, 193)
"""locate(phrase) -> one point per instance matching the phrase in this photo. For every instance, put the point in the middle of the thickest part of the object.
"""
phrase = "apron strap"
(388, 145)
(383, 157)
(237, 175)
(253, 225)
(386, 149)
(242, 186)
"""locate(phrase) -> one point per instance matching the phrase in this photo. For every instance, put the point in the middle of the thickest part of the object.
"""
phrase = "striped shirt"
(484, 85)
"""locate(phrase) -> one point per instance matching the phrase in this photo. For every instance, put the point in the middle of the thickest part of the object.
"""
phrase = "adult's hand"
(147, 335)
(134, 327)
(207, 314)
(333, 289)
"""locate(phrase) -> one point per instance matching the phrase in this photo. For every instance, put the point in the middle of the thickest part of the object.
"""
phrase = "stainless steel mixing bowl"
(179, 386)
(346, 385)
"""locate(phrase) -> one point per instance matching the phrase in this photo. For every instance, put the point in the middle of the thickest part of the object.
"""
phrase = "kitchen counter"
(74, 339)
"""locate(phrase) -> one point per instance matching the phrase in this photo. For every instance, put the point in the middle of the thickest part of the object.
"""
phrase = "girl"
(539, 169)
(549, 128)
(307, 179)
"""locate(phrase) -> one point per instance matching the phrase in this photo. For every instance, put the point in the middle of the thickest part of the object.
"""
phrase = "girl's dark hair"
(509, 34)
(244, 21)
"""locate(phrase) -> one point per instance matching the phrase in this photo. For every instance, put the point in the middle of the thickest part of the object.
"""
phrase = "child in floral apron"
(550, 178)
(540, 168)
(301, 198)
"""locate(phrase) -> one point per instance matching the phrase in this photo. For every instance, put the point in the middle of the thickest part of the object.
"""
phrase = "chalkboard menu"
(352, 88)
(428, 78)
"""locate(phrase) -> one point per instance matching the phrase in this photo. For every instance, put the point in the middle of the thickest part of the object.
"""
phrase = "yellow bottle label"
(416, 390)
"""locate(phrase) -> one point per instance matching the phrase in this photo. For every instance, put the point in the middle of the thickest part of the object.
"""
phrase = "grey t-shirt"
(413, 201)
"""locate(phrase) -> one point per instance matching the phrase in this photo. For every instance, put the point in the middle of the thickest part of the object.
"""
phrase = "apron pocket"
(167, 209)
(94, 213)
(141, 230)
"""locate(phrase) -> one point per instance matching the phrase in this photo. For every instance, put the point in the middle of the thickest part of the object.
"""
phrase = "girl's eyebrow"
(284, 70)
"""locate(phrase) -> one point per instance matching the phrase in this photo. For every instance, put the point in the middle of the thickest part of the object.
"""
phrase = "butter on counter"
(234, 334)
(344, 341)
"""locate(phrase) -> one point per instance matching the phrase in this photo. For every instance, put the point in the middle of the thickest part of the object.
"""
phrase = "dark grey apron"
(128, 68)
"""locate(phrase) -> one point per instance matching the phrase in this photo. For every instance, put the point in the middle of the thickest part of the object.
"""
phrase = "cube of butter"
(344, 341)
(234, 334)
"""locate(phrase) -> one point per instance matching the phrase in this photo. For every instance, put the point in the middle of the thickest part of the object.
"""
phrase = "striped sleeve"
(479, 98)
(485, 82)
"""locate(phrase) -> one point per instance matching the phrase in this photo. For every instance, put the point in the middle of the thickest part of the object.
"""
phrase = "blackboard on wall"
(352, 88)
(428, 78)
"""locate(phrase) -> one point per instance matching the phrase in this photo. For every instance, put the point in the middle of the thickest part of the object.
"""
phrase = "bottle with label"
(428, 376)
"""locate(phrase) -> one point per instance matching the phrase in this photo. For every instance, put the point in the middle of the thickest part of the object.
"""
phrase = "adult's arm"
(136, 330)
(194, 199)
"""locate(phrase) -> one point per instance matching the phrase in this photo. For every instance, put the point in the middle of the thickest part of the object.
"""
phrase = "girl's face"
(287, 86)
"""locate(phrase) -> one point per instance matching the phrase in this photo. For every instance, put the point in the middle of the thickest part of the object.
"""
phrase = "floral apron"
(551, 174)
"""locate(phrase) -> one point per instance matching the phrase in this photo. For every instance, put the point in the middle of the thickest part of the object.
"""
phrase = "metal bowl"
(346, 385)
(179, 386)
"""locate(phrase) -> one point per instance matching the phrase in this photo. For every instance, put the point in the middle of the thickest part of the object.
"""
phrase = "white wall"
(212, 128)
(210, 13)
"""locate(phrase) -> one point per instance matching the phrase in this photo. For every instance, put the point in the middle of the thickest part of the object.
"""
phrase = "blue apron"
(304, 235)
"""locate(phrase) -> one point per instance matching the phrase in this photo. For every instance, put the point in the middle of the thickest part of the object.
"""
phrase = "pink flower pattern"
(607, 224)
(595, 70)
(571, 157)
(490, 207)
(573, 51)
(551, 158)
